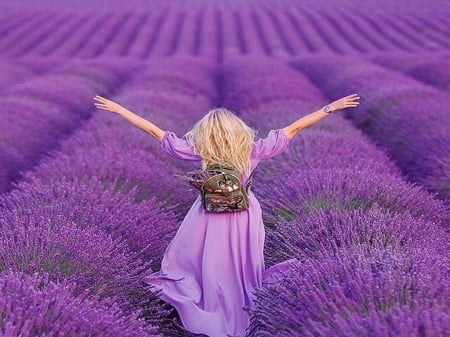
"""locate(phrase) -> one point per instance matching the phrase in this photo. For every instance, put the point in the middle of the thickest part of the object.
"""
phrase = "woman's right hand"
(345, 102)
(108, 105)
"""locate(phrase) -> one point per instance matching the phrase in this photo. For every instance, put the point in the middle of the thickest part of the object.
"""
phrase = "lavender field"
(89, 203)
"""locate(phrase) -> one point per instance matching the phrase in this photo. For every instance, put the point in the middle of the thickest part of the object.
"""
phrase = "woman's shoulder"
(275, 142)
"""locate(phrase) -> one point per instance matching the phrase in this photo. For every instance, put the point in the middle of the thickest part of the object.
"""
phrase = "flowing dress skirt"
(211, 267)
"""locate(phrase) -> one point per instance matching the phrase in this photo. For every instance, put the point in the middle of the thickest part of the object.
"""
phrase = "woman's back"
(263, 148)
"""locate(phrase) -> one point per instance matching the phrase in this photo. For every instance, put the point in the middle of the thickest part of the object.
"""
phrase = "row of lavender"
(404, 116)
(47, 99)
(373, 254)
(433, 69)
(386, 5)
(98, 213)
(219, 30)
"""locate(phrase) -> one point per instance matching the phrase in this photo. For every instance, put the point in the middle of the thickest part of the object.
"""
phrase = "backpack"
(221, 189)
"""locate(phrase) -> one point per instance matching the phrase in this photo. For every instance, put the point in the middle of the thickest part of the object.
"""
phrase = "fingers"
(102, 103)
(105, 104)
(105, 108)
(100, 98)
(351, 97)
(352, 100)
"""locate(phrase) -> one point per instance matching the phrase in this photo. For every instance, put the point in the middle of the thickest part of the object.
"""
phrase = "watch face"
(327, 108)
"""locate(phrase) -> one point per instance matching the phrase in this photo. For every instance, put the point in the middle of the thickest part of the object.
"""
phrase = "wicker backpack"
(221, 188)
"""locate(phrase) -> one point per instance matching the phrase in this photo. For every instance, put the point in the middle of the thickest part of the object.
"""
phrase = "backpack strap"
(250, 180)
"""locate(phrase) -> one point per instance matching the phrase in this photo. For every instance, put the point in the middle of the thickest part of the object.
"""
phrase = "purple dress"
(215, 260)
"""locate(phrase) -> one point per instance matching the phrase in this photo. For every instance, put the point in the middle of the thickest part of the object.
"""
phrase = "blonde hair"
(221, 137)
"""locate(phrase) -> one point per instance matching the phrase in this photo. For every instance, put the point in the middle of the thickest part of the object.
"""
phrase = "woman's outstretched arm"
(142, 123)
(308, 120)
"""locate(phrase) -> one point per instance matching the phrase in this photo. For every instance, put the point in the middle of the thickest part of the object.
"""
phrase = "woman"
(215, 260)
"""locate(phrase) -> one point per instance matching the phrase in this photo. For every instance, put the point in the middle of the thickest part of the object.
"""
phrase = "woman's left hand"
(345, 102)
(108, 105)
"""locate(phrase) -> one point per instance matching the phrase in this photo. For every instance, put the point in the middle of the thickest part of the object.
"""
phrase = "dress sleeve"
(275, 142)
(178, 147)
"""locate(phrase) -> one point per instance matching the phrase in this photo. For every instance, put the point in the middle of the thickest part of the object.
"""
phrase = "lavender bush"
(432, 69)
(362, 291)
(48, 107)
(34, 305)
(402, 115)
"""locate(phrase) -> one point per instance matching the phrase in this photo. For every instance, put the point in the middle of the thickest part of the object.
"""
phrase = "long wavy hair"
(221, 137)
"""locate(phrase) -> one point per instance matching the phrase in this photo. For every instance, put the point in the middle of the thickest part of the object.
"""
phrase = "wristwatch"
(327, 109)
